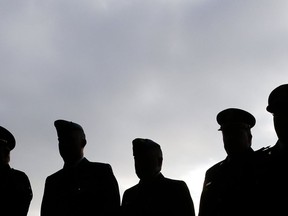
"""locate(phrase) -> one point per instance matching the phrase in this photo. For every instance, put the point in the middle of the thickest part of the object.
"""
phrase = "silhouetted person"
(231, 187)
(15, 189)
(82, 187)
(154, 194)
(277, 179)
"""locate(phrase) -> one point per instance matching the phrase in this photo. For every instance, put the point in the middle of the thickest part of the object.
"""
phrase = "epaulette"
(264, 149)
(263, 152)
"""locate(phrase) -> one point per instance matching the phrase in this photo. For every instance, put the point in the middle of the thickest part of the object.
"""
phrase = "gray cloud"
(126, 69)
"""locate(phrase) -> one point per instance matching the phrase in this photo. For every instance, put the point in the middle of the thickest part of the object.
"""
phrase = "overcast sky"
(157, 69)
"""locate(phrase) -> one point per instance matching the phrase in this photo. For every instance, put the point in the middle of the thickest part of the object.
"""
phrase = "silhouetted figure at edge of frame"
(276, 167)
(82, 187)
(232, 187)
(154, 194)
(15, 189)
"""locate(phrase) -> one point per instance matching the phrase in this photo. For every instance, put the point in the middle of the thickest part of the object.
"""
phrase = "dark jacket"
(232, 187)
(15, 192)
(162, 196)
(275, 182)
(89, 188)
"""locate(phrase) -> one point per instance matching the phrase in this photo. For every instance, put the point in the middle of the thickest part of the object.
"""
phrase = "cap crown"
(235, 116)
(63, 127)
(7, 137)
(278, 99)
(141, 146)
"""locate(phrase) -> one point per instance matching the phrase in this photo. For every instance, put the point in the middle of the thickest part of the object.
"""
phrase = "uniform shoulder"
(216, 167)
(177, 184)
(130, 190)
(100, 165)
(98, 169)
(55, 174)
(263, 152)
(174, 181)
(263, 149)
(19, 174)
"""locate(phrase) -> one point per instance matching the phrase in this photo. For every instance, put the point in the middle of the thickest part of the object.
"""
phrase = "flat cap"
(63, 127)
(235, 116)
(141, 146)
(7, 137)
(278, 99)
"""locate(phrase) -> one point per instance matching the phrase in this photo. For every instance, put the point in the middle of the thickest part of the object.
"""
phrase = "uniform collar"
(4, 168)
(156, 178)
(72, 165)
(241, 157)
(279, 148)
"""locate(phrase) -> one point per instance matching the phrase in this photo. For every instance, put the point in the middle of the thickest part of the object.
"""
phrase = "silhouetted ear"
(83, 143)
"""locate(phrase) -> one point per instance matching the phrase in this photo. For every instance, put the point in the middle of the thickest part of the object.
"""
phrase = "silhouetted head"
(7, 143)
(278, 106)
(236, 125)
(71, 139)
(147, 157)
